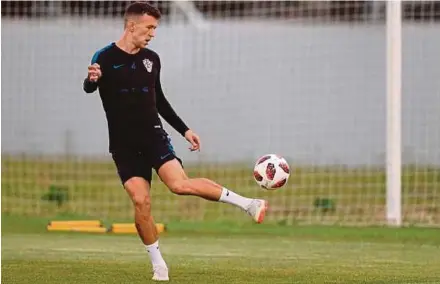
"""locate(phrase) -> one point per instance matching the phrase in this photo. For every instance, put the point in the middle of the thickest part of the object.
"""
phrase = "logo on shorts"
(148, 64)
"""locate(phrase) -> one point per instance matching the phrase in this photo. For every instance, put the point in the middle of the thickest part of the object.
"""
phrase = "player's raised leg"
(138, 189)
(173, 175)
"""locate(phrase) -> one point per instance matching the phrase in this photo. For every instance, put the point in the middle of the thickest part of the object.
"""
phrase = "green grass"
(222, 252)
(215, 243)
(95, 191)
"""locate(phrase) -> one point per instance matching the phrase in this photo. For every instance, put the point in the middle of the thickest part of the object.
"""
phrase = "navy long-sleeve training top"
(132, 97)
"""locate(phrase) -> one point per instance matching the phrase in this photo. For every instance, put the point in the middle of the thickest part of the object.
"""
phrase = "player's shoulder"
(102, 52)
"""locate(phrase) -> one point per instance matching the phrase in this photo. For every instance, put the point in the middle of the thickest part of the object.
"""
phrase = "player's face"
(144, 30)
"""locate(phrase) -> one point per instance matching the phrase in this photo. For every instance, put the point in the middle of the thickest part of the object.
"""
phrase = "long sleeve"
(166, 111)
(88, 86)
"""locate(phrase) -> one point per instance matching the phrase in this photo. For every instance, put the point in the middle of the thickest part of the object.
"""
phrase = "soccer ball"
(271, 171)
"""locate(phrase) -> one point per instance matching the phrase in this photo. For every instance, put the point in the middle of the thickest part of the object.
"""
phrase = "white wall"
(315, 94)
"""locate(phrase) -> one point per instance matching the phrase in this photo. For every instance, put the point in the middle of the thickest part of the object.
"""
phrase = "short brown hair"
(139, 9)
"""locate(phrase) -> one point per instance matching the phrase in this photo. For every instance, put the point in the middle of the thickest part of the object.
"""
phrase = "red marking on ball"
(270, 171)
(285, 167)
(280, 183)
(262, 159)
(257, 176)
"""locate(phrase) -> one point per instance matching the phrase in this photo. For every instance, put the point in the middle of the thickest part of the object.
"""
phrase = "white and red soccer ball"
(271, 171)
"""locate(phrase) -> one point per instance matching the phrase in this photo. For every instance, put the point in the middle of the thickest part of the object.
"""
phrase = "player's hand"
(193, 139)
(94, 72)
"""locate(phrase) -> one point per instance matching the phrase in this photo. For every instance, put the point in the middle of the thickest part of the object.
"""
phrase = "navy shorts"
(141, 163)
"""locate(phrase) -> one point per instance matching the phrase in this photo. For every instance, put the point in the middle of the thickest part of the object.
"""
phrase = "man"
(128, 77)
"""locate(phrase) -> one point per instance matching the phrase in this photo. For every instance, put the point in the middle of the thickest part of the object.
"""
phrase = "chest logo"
(148, 65)
(118, 66)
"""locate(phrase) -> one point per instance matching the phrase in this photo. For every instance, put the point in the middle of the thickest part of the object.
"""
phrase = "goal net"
(304, 79)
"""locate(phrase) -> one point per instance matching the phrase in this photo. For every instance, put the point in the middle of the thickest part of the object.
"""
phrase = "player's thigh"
(172, 174)
(135, 172)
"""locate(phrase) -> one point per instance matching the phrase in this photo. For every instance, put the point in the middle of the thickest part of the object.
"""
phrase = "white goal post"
(394, 112)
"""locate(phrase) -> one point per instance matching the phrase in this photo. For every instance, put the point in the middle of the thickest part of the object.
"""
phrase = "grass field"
(222, 252)
(215, 243)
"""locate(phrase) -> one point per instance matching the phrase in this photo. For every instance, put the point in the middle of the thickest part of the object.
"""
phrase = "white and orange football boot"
(257, 210)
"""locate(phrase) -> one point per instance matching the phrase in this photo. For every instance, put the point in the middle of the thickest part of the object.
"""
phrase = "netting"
(304, 79)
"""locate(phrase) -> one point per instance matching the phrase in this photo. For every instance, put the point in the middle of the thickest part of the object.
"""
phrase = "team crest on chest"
(148, 64)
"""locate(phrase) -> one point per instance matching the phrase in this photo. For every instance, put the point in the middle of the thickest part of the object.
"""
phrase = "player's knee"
(141, 201)
(138, 194)
(180, 187)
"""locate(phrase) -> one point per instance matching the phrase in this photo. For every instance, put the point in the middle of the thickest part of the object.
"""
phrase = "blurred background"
(304, 79)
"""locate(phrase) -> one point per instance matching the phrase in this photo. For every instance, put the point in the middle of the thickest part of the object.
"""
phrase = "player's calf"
(209, 190)
(198, 187)
(138, 190)
(174, 177)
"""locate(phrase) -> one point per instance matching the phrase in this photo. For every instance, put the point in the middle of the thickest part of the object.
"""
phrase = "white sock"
(231, 197)
(155, 255)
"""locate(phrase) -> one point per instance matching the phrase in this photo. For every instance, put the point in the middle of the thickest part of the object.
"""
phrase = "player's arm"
(166, 110)
(94, 73)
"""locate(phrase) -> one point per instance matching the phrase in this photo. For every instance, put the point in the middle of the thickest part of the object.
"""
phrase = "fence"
(307, 80)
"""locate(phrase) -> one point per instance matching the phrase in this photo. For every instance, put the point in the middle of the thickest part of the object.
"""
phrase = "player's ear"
(129, 26)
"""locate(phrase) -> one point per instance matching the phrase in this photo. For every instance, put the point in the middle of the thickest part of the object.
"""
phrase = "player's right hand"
(94, 72)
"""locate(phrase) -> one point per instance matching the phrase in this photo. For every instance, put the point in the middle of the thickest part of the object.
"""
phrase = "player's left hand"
(194, 139)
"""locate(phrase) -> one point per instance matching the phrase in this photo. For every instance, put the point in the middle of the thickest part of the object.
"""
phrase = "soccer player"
(128, 77)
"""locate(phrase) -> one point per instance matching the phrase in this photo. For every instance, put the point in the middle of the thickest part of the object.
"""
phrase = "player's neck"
(126, 45)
